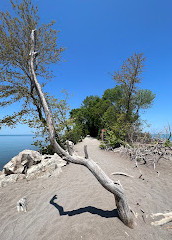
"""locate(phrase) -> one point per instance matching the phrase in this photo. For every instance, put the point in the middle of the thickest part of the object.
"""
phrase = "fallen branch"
(121, 173)
(147, 154)
(167, 218)
(114, 187)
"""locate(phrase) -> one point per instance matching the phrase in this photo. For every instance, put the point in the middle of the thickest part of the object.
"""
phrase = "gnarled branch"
(114, 187)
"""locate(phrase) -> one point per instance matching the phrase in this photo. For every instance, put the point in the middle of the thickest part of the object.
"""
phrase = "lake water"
(11, 145)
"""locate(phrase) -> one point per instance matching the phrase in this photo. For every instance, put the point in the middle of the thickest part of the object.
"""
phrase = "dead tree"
(114, 187)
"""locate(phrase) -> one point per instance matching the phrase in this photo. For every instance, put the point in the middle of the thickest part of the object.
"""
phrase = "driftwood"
(121, 173)
(147, 154)
(167, 218)
(22, 205)
(114, 187)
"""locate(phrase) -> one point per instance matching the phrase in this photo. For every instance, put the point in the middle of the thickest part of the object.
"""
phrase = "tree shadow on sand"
(90, 209)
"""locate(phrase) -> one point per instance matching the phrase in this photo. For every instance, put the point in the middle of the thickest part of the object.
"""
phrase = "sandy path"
(75, 206)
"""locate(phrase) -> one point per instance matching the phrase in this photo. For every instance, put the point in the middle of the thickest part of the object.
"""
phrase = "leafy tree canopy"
(119, 108)
(15, 79)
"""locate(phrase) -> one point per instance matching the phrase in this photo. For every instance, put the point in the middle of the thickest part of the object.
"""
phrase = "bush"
(47, 150)
(102, 146)
(75, 134)
(112, 140)
(168, 143)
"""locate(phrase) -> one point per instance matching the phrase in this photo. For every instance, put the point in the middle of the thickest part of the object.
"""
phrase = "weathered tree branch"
(121, 173)
(167, 218)
(113, 187)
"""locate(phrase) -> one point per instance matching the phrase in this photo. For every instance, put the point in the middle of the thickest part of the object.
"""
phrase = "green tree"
(15, 78)
(143, 99)
(89, 117)
(114, 95)
(59, 110)
(129, 76)
(127, 99)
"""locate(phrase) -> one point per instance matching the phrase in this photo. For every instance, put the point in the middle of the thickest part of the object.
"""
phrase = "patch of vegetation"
(168, 143)
(118, 110)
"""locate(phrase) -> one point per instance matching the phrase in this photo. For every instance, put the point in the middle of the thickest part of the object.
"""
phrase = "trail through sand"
(73, 205)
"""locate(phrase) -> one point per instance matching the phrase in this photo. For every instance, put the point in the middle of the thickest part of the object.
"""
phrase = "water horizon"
(12, 144)
(17, 134)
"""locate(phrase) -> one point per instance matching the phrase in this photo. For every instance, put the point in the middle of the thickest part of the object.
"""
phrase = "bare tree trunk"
(113, 187)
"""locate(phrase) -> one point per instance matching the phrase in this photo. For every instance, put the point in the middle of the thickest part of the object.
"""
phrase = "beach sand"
(73, 205)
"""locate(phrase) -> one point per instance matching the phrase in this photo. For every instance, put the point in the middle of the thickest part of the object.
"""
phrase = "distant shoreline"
(3, 135)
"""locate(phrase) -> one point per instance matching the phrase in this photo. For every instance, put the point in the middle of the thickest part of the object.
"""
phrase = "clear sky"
(98, 35)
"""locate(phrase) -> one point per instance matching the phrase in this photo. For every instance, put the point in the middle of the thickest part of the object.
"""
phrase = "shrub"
(75, 134)
(168, 143)
(102, 145)
(112, 140)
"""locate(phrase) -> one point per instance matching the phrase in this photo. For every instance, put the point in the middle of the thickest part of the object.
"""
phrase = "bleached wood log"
(167, 218)
(114, 187)
(121, 173)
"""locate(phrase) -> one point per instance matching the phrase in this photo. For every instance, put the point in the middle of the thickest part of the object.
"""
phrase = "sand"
(73, 205)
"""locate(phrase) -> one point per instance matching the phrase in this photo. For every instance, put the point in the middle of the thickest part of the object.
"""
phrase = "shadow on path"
(90, 209)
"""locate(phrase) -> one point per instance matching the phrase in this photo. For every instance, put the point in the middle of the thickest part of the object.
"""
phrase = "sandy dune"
(73, 205)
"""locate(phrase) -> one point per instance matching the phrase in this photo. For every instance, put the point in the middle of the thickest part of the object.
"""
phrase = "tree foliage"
(15, 79)
(129, 76)
(90, 116)
(118, 111)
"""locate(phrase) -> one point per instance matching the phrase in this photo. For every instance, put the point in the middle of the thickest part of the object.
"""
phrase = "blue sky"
(98, 35)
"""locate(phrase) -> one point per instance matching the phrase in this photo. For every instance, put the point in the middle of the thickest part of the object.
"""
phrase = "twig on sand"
(134, 213)
(143, 218)
(121, 173)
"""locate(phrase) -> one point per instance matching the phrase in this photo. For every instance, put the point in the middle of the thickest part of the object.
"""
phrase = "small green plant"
(168, 143)
(47, 150)
(75, 134)
(112, 140)
(102, 146)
